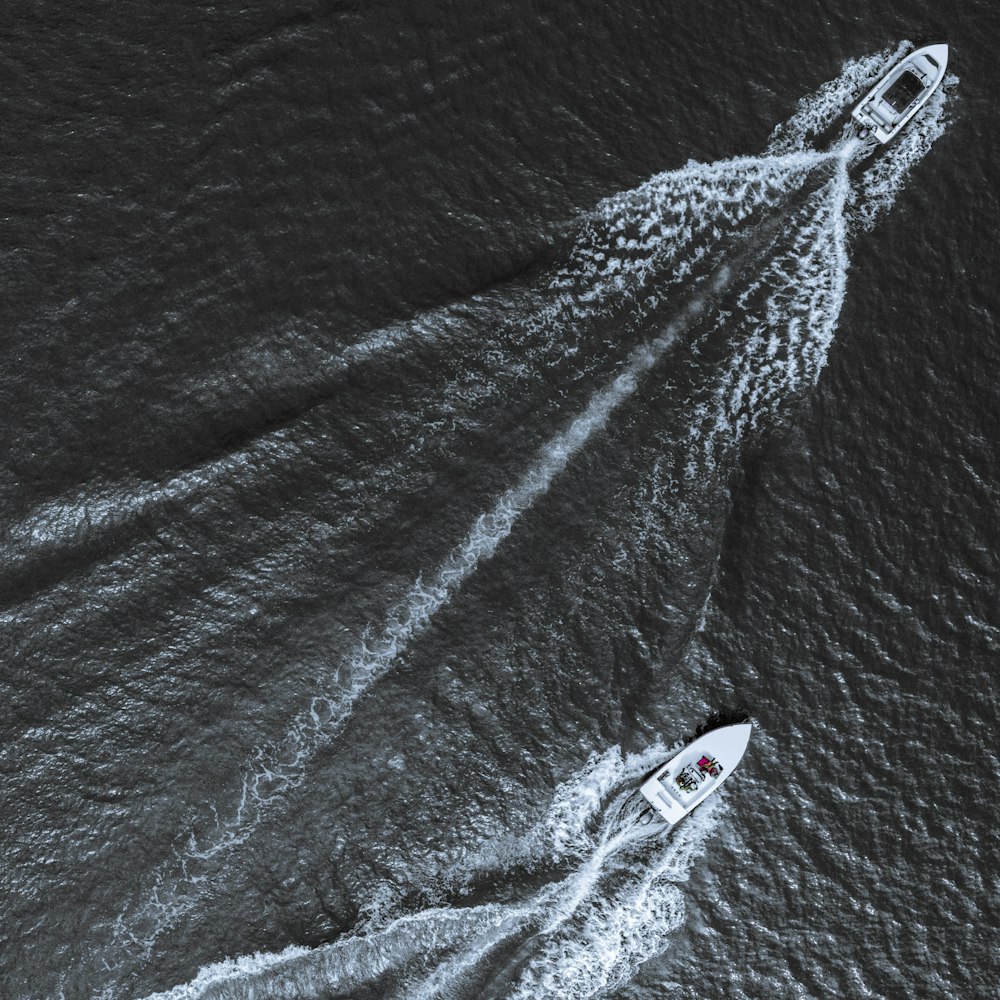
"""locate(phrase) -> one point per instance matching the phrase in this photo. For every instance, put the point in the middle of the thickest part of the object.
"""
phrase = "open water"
(418, 418)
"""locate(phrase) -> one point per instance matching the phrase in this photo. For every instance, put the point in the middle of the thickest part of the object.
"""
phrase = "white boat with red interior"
(689, 777)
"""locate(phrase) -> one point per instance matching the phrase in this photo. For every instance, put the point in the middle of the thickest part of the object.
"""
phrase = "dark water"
(419, 417)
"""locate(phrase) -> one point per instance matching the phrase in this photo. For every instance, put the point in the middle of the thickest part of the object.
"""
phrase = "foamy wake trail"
(777, 345)
(276, 769)
(790, 312)
(565, 831)
(639, 242)
(581, 934)
(350, 963)
(782, 344)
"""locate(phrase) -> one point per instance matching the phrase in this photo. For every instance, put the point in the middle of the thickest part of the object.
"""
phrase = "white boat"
(687, 779)
(901, 93)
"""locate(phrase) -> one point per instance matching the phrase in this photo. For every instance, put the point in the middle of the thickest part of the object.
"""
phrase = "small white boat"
(901, 93)
(687, 779)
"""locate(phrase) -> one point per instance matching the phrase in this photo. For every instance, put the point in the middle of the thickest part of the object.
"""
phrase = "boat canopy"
(904, 91)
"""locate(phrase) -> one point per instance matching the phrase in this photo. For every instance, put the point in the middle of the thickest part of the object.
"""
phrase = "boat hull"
(689, 777)
(901, 93)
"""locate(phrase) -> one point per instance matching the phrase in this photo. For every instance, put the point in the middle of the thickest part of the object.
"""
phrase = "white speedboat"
(687, 779)
(901, 93)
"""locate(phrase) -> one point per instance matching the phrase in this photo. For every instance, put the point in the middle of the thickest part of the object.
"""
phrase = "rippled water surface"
(419, 419)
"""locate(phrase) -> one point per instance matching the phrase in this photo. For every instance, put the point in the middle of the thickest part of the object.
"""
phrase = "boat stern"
(870, 123)
(662, 801)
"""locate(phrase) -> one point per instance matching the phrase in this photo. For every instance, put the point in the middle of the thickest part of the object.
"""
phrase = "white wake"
(634, 247)
(581, 934)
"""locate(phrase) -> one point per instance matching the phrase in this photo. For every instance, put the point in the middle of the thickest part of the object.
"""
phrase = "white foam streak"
(578, 801)
(455, 969)
(311, 973)
(442, 946)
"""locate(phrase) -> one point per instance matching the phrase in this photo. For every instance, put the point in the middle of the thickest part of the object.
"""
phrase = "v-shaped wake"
(760, 322)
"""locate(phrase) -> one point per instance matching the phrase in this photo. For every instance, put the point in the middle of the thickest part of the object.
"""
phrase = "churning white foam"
(663, 228)
(781, 345)
(782, 340)
(426, 954)
(612, 933)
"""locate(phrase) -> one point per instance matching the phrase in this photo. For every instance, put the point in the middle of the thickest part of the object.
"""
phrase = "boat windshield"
(903, 91)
